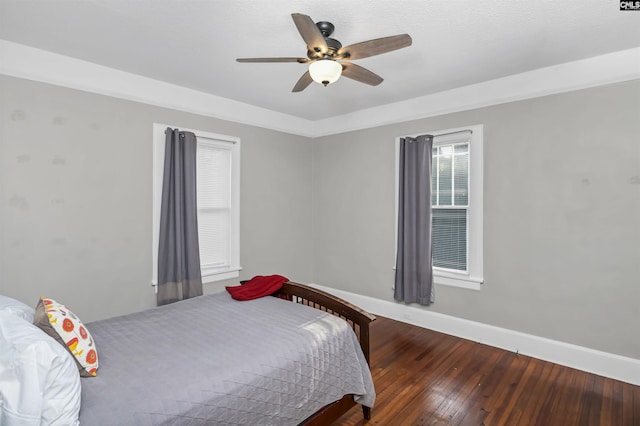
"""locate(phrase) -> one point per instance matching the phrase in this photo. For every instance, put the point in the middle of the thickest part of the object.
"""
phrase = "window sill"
(222, 275)
(455, 280)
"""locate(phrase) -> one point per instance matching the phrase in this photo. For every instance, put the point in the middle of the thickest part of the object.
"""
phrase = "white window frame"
(474, 276)
(208, 276)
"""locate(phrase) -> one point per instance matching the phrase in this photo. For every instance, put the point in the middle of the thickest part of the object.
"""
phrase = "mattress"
(214, 360)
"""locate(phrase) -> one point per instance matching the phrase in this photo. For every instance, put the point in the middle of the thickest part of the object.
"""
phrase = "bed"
(214, 360)
(209, 360)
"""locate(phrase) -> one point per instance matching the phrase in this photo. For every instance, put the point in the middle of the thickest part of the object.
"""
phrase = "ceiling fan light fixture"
(325, 71)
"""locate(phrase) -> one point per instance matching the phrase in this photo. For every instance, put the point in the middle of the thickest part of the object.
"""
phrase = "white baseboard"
(593, 361)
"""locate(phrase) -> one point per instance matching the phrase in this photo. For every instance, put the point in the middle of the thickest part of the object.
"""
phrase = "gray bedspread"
(216, 361)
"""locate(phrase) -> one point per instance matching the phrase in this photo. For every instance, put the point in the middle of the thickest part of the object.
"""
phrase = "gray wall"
(562, 208)
(75, 198)
(561, 216)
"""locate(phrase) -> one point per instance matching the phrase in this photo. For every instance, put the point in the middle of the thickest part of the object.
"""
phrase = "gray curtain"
(414, 271)
(178, 252)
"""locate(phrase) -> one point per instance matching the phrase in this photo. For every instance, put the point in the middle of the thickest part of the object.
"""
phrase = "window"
(218, 190)
(449, 204)
(456, 202)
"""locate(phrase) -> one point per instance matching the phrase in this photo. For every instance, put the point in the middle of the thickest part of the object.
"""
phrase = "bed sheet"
(214, 360)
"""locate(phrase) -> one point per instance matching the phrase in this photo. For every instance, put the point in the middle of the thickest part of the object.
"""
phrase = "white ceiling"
(194, 43)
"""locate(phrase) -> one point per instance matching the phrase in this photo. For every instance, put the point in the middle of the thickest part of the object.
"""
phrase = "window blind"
(449, 238)
(449, 202)
(214, 204)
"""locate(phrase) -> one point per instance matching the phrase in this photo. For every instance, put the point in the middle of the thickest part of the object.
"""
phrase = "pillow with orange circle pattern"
(60, 323)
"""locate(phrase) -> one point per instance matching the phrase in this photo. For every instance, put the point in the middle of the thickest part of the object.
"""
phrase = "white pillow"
(40, 380)
(16, 308)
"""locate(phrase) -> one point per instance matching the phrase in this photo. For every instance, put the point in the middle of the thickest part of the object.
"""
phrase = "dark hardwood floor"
(427, 378)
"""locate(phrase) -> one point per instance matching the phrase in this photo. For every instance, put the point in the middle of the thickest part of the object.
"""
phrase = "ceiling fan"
(324, 52)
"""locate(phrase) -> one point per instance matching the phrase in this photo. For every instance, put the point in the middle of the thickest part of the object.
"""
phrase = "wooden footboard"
(357, 318)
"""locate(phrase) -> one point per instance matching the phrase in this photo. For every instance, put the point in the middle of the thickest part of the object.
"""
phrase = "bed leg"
(367, 412)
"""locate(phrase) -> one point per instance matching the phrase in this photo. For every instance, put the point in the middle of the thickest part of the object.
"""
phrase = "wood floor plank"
(462, 395)
(539, 384)
(427, 378)
(479, 410)
(546, 405)
(498, 402)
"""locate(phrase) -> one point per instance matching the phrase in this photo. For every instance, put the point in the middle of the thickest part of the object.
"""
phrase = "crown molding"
(39, 65)
(591, 72)
(26, 62)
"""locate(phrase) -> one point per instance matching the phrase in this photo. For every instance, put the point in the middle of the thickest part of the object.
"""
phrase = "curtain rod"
(214, 139)
(453, 133)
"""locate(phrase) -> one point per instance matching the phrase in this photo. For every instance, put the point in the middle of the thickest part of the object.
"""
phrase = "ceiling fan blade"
(310, 33)
(304, 81)
(375, 47)
(358, 73)
(300, 60)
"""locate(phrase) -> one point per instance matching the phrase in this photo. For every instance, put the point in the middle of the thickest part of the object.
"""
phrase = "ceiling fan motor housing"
(326, 29)
(333, 45)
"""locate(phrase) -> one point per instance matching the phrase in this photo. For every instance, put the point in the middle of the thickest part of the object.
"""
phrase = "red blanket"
(258, 286)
